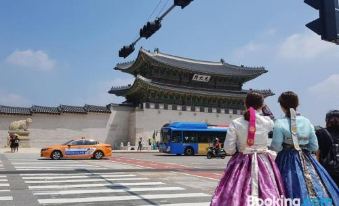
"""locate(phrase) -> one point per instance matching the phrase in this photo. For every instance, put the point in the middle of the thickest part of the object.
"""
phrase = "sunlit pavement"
(123, 179)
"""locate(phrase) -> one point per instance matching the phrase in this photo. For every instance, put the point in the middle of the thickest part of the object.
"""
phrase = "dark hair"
(288, 100)
(332, 119)
(255, 100)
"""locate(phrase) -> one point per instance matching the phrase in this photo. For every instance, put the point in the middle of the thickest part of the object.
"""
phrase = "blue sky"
(63, 52)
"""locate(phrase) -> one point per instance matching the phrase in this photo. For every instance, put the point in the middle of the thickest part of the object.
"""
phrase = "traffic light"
(150, 28)
(126, 50)
(327, 25)
(182, 3)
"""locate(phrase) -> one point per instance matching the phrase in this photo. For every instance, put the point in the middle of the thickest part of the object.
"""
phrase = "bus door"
(190, 141)
(204, 141)
(176, 142)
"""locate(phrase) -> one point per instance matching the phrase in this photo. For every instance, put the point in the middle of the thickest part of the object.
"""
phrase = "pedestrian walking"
(16, 143)
(140, 144)
(149, 144)
(11, 142)
(328, 139)
(294, 139)
(251, 174)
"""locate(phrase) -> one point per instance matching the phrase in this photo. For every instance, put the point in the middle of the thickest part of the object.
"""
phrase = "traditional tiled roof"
(206, 67)
(123, 91)
(44, 109)
(94, 108)
(9, 110)
(15, 110)
(72, 109)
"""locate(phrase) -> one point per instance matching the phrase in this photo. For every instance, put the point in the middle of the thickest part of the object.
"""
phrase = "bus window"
(204, 137)
(176, 136)
(190, 137)
(220, 135)
(165, 135)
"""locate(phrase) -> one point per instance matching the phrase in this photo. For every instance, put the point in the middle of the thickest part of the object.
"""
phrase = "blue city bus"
(189, 138)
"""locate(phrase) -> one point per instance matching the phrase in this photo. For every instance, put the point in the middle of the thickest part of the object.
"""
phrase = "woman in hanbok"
(294, 139)
(251, 175)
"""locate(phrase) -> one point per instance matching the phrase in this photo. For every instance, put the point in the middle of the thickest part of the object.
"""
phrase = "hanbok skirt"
(236, 187)
(305, 179)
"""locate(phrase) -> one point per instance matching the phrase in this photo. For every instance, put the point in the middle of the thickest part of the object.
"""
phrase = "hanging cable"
(163, 8)
(155, 8)
(151, 27)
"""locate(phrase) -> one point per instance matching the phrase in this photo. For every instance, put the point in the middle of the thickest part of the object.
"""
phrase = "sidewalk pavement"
(37, 150)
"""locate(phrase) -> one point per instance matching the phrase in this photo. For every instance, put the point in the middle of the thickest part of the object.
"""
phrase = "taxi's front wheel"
(56, 155)
(98, 155)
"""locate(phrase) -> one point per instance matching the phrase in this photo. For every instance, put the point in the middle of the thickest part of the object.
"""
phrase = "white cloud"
(249, 48)
(306, 46)
(35, 60)
(327, 88)
(262, 43)
(12, 99)
(305, 56)
(100, 95)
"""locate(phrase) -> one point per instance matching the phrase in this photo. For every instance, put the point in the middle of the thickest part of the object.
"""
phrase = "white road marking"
(4, 185)
(49, 163)
(4, 190)
(51, 167)
(72, 174)
(3, 180)
(4, 198)
(138, 189)
(84, 180)
(95, 185)
(73, 177)
(58, 169)
(117, 198)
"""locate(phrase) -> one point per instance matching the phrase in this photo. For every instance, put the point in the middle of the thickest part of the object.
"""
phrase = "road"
(124, 179)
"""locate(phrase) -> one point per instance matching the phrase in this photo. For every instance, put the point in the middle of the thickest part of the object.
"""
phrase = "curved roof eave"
(206, 67)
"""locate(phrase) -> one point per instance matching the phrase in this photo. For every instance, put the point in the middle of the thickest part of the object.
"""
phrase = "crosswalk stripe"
(4, 198)
(138, 189)
(4, 185)
(58, 169)
(73, 177)
(3, 180)
(63, 167)
(3, 176)
(46, 163)
(185, 204)
(72, 174)
(95, 185)
(4, 190)
(117, 198)
(84, 180)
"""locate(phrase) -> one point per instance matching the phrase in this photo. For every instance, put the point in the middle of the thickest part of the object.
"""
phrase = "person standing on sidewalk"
(140, 144)
(295, 140)
(11, 142)
(328, 139)
(251, 174)
(16, 143)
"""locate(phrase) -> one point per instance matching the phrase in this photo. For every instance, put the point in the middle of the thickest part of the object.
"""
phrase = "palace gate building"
(169, 88)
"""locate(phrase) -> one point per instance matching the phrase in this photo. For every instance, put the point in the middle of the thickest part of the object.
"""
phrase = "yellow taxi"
(77, 149)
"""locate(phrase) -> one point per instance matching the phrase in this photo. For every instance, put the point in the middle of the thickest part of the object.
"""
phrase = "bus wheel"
(189, 151)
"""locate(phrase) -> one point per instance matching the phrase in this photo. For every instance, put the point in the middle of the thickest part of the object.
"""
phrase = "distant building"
(55, 125)
(169, 88)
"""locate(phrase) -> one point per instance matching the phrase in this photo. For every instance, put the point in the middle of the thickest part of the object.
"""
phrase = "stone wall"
(142, 122)
(47, 129)
(124, 124)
